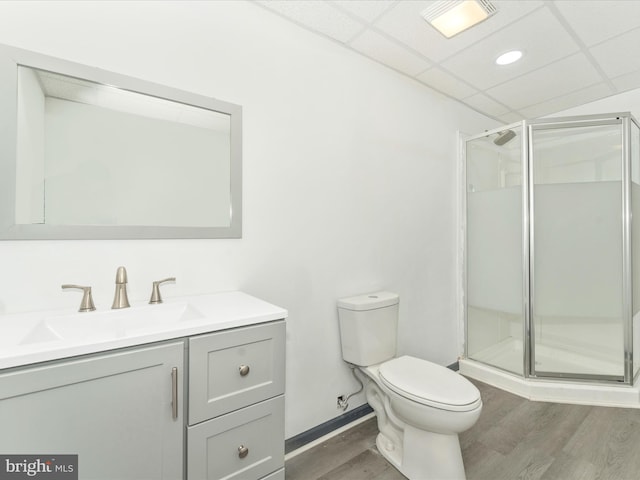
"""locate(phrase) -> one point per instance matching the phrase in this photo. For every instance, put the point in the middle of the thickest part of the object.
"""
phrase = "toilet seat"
(429, 384)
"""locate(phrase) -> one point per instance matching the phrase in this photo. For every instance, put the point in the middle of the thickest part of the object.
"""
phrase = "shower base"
(509, 354)
(561, 357)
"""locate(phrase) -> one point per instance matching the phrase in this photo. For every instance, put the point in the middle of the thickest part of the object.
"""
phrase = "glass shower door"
(577, 250)
(494, 250)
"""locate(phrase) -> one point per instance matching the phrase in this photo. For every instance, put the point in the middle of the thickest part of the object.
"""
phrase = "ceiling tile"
(446, 83)
(557, 72)
(390, 53)
(579, 97)
(617, 56)
(510, 117)
(598, 20)
(318, 16)
(540, 47)
(405, 23)
(627, 82)
(560, 78)
(366, 10)
(485, 104)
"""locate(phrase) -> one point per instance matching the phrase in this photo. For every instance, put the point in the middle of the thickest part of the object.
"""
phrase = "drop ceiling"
(575, 51)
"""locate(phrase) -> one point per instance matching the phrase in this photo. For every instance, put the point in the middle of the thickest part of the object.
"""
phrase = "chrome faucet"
(121, 300)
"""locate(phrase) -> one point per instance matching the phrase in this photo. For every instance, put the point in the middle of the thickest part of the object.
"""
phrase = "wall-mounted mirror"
(89, 154)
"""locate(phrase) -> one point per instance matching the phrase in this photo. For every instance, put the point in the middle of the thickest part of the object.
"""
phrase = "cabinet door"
(232, 369)
(114, 410)
(244, 445)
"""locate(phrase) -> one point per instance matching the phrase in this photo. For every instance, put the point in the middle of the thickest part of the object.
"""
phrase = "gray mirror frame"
(10, 59)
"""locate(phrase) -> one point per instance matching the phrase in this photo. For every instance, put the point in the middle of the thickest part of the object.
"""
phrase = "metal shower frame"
(526, 129)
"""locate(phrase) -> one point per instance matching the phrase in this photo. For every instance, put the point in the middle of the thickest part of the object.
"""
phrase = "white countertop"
(33, 337)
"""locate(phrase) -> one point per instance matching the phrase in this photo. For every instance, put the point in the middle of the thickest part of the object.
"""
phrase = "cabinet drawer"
(235, 368)
(216, 449)
(279, 475)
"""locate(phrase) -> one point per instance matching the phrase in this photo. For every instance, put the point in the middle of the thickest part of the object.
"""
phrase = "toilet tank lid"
(369, 301)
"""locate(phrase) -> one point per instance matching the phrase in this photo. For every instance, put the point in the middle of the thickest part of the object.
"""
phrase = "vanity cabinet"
(205, 403)
(236, 404)
(114, 410)
(123, 414)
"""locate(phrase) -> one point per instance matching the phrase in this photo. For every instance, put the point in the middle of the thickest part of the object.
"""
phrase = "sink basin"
(107, 325)
(38, 336)
(114, 323)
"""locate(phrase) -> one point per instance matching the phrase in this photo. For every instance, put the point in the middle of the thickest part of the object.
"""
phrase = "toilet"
(420, 407)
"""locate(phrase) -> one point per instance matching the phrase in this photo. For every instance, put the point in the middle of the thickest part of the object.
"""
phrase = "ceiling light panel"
(451, 17)
(509, 57)
(404, 23)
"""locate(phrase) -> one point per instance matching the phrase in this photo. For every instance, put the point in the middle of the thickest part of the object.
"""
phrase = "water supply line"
(343, 402)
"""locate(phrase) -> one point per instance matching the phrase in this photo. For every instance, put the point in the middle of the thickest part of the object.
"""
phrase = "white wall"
(349, 181)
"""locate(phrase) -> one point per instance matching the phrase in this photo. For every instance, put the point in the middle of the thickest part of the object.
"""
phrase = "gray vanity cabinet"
(114, 410)
(236, 404)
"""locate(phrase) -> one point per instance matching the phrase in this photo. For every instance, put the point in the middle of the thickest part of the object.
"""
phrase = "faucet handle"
(121, 276)
(155, 292)
(86, 305)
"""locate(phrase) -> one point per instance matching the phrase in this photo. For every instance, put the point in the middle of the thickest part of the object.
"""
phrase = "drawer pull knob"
(242, 451)
(244, 370)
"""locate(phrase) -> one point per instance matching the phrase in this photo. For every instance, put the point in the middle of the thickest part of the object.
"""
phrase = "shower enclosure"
(552, 255)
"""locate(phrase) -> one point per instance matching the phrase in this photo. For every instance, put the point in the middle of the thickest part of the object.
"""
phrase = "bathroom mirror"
(90, 154)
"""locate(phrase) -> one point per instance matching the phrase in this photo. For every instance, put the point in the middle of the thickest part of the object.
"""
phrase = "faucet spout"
(121, 300)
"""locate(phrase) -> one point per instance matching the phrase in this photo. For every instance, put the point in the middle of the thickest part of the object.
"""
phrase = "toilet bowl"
(421, 407)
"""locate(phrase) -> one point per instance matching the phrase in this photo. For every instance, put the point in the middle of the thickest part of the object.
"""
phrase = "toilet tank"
(368, 326)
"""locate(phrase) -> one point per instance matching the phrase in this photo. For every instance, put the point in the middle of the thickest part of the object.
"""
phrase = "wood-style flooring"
(513, 439)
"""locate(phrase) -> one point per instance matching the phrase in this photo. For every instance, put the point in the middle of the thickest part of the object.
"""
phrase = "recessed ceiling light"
(509, 57)
(451, 17)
